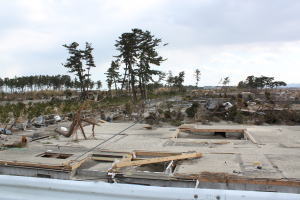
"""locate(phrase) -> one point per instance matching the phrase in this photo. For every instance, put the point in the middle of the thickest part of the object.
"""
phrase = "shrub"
(215, 119)
(272, 117)
(167, 114)
(175, 122)
(191, 111)
(239, 118)
(128, 108)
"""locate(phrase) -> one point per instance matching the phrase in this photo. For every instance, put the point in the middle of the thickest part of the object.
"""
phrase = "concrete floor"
(277, 151)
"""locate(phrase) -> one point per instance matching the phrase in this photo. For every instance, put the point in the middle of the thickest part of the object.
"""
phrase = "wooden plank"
(154, 153)
(111, 159)
(228, 178)
(37, 165)
(221, 153)
(77, 164)
(127, 157)
(250, 137)
(185, 126)
(90, 121)
(111, 153)
(157, 160)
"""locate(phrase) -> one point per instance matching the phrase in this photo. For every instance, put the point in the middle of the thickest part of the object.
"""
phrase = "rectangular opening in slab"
(230, 134)
(55, 155)
(155, 167)
(163, 167)
(43, 175)
(63, 156)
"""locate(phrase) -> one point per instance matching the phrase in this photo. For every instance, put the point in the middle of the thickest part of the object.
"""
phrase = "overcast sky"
(222, 38)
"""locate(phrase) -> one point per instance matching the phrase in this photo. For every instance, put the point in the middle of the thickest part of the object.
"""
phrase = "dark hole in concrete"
(55, 155)
(222, 134)
(47, 156)
(63, 156)
(156, 167)
(211, 135)
(43, 175)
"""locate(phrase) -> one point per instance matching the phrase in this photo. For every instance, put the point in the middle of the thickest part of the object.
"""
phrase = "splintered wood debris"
(156, 160)
(77, 123)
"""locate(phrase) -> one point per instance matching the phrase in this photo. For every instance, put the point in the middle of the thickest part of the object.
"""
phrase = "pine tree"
(99, 84)
(75, 65)
(138, 52)
(197, 76)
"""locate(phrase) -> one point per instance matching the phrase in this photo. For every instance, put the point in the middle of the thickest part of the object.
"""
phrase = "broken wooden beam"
(76, 164)
(155, 153)
(35, 165)
(250, 137)
(156, 160)
(106, 159)
(90, 121)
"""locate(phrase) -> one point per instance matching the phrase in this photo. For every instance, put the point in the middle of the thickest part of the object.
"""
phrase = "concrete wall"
(210, 185)
(34, 172)
(28, 188)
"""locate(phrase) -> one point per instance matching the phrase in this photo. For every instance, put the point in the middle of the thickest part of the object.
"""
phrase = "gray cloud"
(233, 21)
(32, 32)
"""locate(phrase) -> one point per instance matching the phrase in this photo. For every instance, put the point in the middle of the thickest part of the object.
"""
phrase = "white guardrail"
(29, 188)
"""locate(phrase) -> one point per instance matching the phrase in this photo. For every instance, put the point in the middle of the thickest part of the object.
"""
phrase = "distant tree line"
(41, 82)
(261, 82)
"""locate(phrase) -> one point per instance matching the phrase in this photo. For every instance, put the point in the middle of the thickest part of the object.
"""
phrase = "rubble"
(17, 144)
(166, 145)
(5, 131)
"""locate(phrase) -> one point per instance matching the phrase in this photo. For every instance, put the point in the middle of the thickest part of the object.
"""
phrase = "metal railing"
(29, 188)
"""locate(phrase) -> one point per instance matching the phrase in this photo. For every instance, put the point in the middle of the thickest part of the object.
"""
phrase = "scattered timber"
(156, 160)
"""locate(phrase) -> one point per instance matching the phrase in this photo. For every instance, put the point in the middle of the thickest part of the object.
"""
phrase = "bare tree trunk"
(116, 88)
(134, 98)
(141, 87)
(124, 79)
(132, 83)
